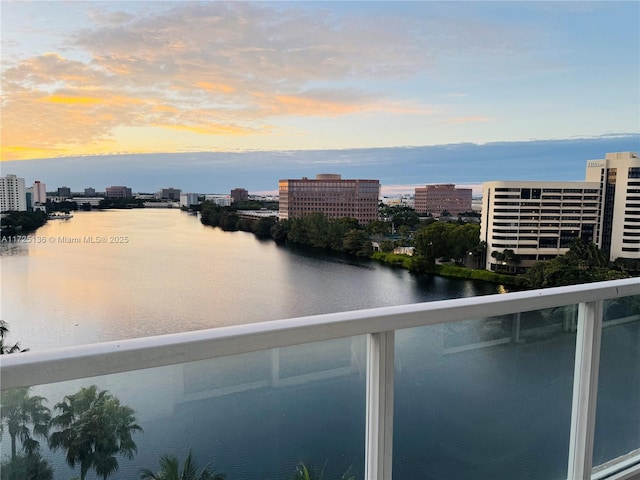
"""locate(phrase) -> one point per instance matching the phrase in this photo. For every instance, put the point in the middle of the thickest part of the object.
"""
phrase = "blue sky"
(112, 80)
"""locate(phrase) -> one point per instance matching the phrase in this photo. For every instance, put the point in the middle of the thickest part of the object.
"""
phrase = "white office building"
(537, 220)
(540, 220)
(188, 199)
(13, 194)
(220, 200)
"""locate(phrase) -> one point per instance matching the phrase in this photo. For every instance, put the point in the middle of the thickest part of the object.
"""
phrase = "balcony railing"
(536, 384)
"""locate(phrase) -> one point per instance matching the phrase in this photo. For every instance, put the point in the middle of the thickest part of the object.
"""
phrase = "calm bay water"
(162, 271)
(501, 411)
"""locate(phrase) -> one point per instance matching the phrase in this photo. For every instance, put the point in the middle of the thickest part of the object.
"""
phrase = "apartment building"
(435, 199)
(331, 195)
(39, 191)
(618, 177)
(13, 194)
(540, 220)
(537, 220)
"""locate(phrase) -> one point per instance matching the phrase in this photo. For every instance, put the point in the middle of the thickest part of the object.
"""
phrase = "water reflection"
(162, 271)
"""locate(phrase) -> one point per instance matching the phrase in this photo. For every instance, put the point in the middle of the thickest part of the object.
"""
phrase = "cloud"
(227, 69)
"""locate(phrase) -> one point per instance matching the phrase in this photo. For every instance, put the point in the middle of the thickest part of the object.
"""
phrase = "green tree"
(433, 241)
(506, 257)
(378, 227)
(229, 221)
(94, 429)
(399, 215)
(387, 246)
(583, 263)
(26, 467)
(586, 254)
(464, 239)
(357, 242)
(262, 228)
(280, 231)
(170, 470)
(19, 411)
(305, 473)
(6, 349)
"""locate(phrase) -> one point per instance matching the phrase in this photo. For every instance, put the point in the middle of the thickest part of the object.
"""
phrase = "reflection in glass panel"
(618, 412)
(251, 416)
(485, 399)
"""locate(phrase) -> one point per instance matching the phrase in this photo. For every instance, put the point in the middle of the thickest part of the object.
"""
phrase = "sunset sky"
(83, 78)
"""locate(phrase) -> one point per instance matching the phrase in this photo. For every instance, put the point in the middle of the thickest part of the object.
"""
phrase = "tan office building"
(331, 195)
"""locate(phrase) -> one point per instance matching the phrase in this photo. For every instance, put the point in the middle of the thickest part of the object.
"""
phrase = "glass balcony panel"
(239, 415)
(486, 398)
(618, 410)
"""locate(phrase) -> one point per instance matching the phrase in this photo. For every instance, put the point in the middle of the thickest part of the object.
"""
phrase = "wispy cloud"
(267, 75)
(213, 68)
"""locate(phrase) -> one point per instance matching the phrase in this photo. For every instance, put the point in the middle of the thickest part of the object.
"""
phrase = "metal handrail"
(70, 363)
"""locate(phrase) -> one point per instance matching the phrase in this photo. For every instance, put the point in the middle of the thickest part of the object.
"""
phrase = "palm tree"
(18, 410)
(5, 349)
(304, 473)
(95, 428)
(170, 470)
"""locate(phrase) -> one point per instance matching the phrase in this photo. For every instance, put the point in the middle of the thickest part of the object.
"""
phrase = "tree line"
(434, 242)
(18, 223)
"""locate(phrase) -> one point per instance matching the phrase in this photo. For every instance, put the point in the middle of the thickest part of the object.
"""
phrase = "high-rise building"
(540, 220)
(117, 191)
(89, 192)
(331, 195)
(39, 192)
(618, 176)
(435, 199)
(239, 195)
(13, 194)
